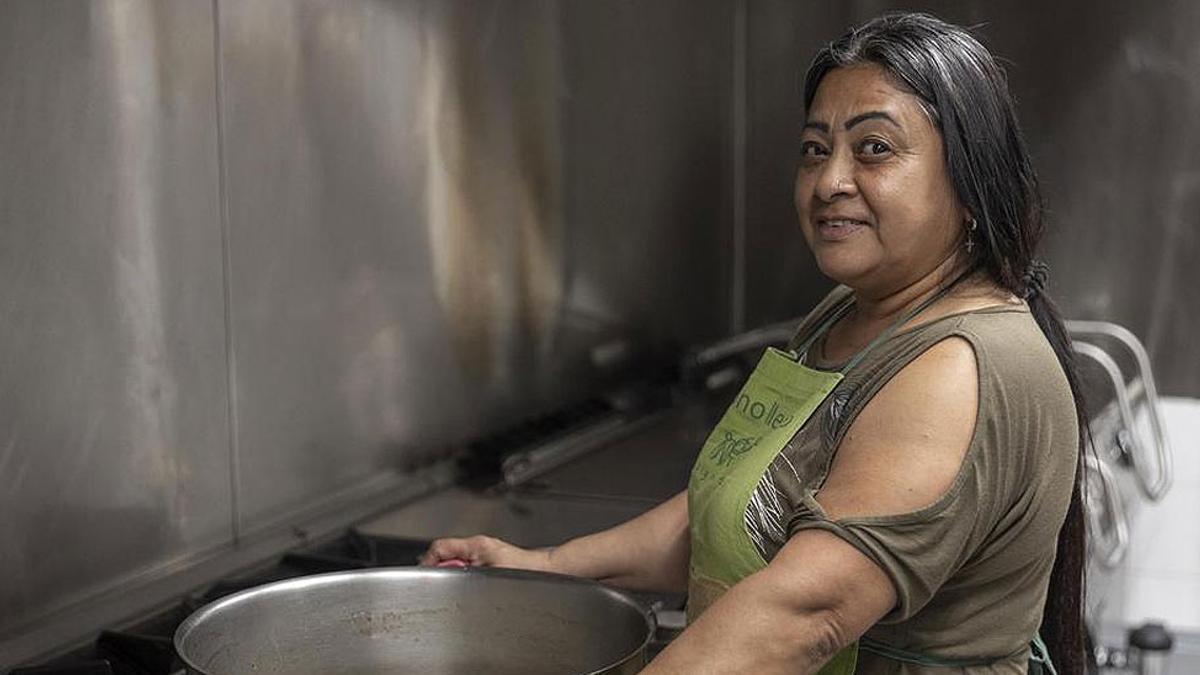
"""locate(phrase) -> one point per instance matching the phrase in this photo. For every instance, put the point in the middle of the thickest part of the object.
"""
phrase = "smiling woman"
(897, 492)
(870, 154)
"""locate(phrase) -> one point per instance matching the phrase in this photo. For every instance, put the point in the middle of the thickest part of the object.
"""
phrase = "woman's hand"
(481, 551)
(648, 553)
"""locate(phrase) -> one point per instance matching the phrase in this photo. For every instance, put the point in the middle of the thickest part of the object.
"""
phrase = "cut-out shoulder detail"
(905, 449)
(980, 555)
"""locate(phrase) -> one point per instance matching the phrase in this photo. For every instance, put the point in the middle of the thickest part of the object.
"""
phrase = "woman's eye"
(811, 149)
(874, 148)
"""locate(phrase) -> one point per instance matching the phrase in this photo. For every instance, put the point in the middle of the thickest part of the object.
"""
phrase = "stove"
(146, 648)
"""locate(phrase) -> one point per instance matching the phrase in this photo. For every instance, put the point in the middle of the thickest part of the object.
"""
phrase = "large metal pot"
(418, 620)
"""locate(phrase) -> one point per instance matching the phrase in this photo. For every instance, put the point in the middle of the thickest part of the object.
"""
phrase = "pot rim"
(410, 572)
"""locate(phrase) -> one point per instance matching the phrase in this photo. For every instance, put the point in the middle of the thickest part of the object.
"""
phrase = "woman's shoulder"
(1020, 376)
(998, 349)
(1009, 339)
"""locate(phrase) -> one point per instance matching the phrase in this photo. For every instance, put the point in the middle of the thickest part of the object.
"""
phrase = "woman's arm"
(650, 552)
(818, 595)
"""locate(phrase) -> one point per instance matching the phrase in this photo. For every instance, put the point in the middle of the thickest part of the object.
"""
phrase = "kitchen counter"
(603, 488)
(606, 487)
(652, 464)
(525, 520)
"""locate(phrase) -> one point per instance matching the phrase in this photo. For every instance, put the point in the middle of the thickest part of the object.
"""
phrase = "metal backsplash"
(436, 210)
(258, 257)
(113, 431)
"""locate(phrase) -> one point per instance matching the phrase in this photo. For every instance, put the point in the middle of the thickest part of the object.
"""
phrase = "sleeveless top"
(970, 570)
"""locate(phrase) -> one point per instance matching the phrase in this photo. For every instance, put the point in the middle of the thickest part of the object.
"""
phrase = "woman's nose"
(836, 179)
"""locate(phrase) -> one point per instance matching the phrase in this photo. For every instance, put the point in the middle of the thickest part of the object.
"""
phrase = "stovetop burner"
(147, 647)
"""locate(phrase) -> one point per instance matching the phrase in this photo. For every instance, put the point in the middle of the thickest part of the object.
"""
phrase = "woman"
(898, 491)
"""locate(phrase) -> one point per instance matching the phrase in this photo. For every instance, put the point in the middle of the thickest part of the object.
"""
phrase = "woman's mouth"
(837, 229)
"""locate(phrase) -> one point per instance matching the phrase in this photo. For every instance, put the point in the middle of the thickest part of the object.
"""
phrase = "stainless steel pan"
(417, 620)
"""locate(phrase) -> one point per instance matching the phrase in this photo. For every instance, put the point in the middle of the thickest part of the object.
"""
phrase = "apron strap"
(843, 308)
(1039, 656)
(833, 316)
(918, 659)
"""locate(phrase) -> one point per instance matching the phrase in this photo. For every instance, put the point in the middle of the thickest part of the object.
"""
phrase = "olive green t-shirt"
(970, 570)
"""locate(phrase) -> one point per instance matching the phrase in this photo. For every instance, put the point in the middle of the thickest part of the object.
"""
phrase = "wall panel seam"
(227, 275)
(738, 300)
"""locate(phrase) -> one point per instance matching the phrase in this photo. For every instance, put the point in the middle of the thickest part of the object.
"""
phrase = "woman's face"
(873, 192)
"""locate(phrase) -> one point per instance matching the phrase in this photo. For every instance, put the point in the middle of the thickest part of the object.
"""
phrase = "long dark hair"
(965, 92)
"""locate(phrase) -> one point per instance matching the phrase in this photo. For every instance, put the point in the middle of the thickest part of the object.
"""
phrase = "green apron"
(777, 400)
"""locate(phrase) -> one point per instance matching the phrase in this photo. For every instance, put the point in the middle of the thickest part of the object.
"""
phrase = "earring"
(972, 225)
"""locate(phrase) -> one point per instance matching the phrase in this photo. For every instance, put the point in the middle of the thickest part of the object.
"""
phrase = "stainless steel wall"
(113, 429)
(437, 209)
(335, 326)
(1111, 120)
(1107, 94)
(260, 257)
(648, 122)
